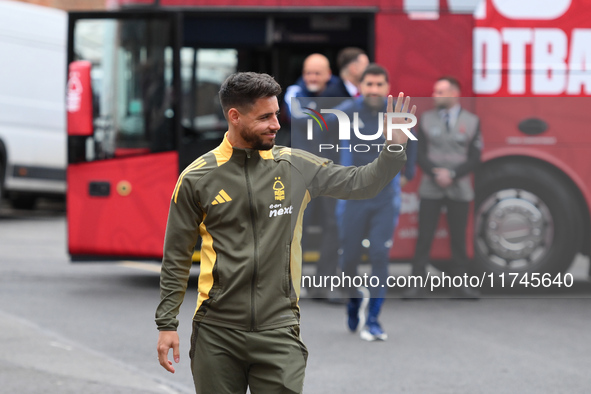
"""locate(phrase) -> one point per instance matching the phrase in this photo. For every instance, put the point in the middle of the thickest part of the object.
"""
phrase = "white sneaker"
(373, 332)
(363, 307)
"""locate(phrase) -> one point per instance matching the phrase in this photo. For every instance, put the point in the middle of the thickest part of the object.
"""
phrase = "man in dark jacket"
(351, 62)
(316, 83)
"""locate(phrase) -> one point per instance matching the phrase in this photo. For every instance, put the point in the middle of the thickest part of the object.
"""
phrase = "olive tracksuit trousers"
(227, 361)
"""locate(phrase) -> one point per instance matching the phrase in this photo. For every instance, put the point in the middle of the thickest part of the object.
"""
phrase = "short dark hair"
(375, 69)
(347, 56)
(452, 81)
(242, 89)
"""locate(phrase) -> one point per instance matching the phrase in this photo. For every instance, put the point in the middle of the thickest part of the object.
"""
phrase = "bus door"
(122, 159)
(274, 42)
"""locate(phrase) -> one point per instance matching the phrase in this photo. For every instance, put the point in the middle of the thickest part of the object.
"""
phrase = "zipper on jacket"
(256, 245)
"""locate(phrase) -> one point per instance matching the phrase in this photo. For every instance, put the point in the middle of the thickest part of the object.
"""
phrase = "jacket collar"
(227, 150)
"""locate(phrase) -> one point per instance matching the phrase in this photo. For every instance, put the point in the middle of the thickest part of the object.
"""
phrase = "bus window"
(202, 73)
(202, 120)
(131, 83)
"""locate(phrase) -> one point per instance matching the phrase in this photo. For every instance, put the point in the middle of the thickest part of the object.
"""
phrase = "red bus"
(144, 80)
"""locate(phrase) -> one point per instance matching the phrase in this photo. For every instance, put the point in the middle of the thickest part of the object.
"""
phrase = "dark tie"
(446, 120)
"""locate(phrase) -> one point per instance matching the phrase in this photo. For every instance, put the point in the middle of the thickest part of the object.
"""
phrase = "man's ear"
(233, 116)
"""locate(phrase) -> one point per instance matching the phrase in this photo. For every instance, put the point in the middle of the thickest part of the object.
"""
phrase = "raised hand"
(398, 135)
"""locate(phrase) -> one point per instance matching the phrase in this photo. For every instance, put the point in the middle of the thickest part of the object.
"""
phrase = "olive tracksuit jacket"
(248, 207)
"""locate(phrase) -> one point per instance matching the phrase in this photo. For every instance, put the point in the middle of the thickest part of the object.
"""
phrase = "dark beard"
(255, 141)
(375, 103)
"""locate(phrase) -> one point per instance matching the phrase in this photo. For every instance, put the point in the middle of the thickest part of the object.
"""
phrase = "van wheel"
(526, 220)
(1, 180)
(23, 201)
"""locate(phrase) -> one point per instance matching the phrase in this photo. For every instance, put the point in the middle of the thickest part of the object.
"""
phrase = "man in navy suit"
(352, 62)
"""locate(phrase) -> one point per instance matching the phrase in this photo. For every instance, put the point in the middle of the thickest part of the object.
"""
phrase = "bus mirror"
(79, 99)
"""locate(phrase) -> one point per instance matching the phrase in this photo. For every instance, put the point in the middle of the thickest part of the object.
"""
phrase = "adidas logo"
(221, 198)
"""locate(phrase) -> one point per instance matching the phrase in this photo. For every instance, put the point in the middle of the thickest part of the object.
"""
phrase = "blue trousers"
(373, 220)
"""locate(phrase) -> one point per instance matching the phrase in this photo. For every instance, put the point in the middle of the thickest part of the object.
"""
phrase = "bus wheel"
(526, 220)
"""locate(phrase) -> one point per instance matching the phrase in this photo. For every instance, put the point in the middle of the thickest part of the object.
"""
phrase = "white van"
(32, 108)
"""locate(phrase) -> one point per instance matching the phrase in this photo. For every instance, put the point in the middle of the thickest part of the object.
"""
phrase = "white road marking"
(141, 266)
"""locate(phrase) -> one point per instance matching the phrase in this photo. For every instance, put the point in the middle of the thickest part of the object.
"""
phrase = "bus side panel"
(397, 4)
(406, 233)
(119, 207)
(418, 52)
(401, 45)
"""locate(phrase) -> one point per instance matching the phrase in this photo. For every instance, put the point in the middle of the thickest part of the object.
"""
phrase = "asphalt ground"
(88, 328)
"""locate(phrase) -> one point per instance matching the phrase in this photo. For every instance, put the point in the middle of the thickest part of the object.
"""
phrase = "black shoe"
(466, 293)
(414, 293)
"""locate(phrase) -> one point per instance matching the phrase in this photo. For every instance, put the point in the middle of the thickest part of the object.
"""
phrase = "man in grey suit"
(449, 146)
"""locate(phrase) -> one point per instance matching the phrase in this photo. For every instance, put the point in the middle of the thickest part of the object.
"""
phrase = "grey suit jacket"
(449, 149)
